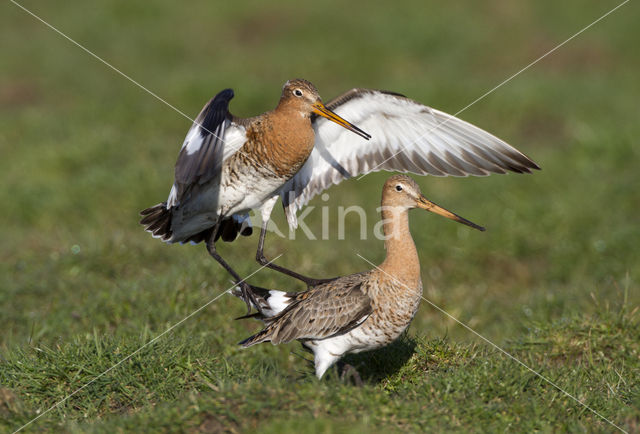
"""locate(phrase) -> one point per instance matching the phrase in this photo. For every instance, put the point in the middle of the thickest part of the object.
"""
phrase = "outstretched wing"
(212, 138)
(327, 310)
(406, 137)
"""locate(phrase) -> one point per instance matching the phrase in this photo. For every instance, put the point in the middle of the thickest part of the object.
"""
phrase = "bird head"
(302, 95)
(402, 192)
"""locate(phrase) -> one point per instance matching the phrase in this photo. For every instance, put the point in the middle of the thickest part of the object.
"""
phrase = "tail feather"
(161, 224)
(157, 220)
(271, 303)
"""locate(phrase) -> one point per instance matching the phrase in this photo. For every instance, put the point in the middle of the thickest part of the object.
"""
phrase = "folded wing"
(325, 311)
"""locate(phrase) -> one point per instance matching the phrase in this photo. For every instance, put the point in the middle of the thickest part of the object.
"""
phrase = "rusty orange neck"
(402, 260)
(283, 139)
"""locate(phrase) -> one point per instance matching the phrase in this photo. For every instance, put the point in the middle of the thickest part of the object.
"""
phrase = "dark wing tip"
(226, 94)
(245, 343)
(392, 93)
(527, 164)
(256, 315)
(255, 339)
(215, 112)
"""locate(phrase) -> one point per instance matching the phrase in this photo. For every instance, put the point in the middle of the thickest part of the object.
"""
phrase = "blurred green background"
(84, 150)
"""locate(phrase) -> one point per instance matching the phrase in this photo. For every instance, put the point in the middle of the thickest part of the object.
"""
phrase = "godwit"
(228, 165)
(362, 311)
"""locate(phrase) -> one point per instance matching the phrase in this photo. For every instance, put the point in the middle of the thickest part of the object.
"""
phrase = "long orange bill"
(425, 203)
(320, 109)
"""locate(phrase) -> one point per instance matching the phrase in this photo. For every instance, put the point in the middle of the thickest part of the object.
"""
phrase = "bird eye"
(398, 187)
(297, 92)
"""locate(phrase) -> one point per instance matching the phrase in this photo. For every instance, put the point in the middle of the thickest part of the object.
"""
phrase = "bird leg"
(247, 295)
(348, 371)
(265, 262)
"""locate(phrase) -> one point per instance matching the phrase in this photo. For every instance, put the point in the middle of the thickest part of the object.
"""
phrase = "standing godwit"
(228, 165)
(362, 311)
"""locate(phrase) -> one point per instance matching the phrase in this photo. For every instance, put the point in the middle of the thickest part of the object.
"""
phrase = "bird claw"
(348, 371)
(246, 294)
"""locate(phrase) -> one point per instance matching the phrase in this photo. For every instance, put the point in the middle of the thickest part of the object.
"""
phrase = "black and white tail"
(270, 302)
(157, 220)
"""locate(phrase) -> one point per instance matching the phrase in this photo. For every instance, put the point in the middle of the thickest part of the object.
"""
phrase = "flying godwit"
(229, 165)
(362, 311)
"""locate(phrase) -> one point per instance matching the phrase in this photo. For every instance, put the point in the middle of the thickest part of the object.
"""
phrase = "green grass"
(554, 280)
(417, 383)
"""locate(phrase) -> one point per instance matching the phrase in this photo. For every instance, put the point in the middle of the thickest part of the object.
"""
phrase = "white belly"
(363, 338)
(381, 328)
(222, 198)
(328, 351)
(242, 198)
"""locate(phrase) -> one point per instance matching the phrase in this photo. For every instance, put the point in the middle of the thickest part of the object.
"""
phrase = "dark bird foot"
(243, 291)
(348, 372)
